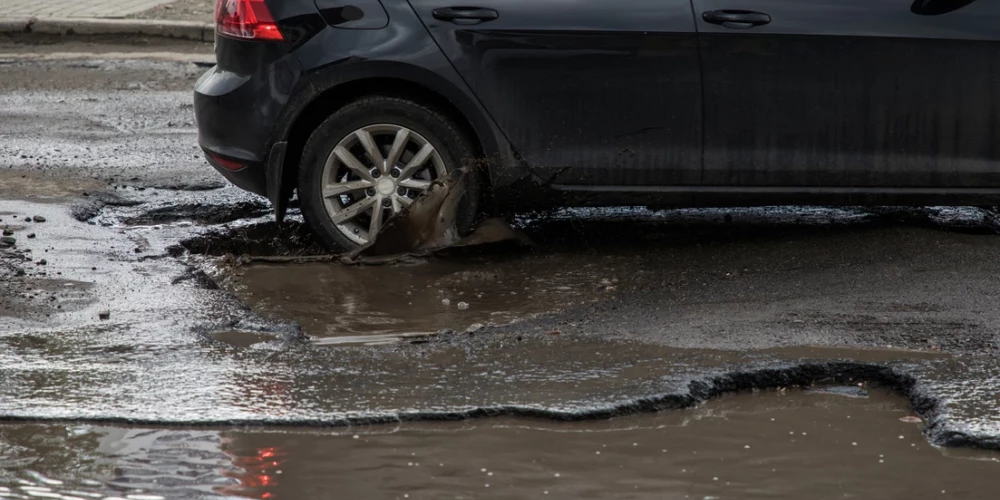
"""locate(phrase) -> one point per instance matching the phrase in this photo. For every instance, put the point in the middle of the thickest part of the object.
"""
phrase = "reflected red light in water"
(255, 472)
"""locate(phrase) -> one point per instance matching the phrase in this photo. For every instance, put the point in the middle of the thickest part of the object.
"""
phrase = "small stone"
(31, 236)
(27, 219)
(8, 241)
(553, 332)
(39, 218)
(605, 282)
(475, 327)
(7, 232)
(104, 315)
(445, 302)
(463, 305)
(911, 420)
(19, 272)
(43, 262)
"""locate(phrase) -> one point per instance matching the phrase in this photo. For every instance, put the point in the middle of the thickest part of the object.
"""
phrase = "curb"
(187, 30)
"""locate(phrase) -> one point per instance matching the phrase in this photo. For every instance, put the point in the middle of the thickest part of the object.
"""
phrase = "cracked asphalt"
(142, 298)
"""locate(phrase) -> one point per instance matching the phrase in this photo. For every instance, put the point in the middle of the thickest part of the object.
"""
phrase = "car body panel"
(817, 107)
(353, 14)
(588, 93)
(861, 93)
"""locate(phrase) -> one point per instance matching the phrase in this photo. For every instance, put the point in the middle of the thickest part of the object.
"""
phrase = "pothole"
(206, 214)
(262, 238)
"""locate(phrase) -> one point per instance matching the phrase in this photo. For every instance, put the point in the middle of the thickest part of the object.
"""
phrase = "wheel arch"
(339, 86)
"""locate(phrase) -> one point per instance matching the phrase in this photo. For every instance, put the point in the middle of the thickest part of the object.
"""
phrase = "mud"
(443, 293)
(769, 277)
(762, 445)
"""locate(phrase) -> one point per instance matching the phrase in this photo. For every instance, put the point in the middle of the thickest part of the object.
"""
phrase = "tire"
(379, 119)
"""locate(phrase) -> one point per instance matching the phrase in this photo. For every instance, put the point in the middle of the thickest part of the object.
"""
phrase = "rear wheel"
(372, 159)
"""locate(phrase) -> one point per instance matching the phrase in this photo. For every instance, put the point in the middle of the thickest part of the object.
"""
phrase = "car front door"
(866, 93)
(589, 92)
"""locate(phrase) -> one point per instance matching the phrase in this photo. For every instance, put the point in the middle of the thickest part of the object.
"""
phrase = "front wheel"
(372, 159)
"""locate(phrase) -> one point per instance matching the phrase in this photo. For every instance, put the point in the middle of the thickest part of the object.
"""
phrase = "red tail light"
(227, 163)
(247, 19)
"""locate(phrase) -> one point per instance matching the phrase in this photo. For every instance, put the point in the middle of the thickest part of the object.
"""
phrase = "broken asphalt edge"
(187, 30)
(938, 430)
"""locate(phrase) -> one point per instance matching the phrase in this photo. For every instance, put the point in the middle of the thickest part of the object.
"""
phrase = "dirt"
(763, 445)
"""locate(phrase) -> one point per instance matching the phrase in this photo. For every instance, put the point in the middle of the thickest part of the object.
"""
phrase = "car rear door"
(589, 92)
(869, 93)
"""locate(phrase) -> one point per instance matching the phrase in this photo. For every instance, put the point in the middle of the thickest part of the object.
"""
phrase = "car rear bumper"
(237, 105)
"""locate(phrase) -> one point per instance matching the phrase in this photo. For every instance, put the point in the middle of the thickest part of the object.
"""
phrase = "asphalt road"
(143, 310)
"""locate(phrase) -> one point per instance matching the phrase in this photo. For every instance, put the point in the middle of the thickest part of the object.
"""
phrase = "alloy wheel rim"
(374, 173)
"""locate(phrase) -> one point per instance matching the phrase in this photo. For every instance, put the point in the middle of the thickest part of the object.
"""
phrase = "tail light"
(247, 19)
(228, 164)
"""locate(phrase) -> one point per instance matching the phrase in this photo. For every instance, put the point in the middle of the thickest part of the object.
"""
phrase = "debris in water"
(842, 390)
(910, 420)
(429, 225)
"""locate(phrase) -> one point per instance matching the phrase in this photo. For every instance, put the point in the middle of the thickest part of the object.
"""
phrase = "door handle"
(465, 15)
(736, 19)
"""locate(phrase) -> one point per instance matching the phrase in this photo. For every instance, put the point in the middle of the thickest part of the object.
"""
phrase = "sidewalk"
(190, 19)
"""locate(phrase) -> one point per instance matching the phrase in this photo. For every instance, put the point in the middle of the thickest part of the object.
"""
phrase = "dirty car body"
(660, 102)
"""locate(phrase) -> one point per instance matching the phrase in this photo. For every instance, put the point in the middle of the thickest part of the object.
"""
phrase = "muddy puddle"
(688, 260)
(337, 303)
(783, 445)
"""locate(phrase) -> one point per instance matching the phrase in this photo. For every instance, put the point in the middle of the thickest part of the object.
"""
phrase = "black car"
(358, 105)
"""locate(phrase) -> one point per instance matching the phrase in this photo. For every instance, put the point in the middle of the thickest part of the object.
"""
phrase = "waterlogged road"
(755, 446)
(133, 303)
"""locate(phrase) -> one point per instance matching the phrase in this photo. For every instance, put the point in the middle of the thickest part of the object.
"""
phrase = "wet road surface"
(137, 301)
(763, 445)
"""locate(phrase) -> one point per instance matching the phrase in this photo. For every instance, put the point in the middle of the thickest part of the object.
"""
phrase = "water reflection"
(759, 445)
(256, 469)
